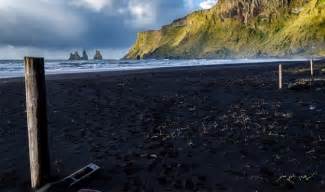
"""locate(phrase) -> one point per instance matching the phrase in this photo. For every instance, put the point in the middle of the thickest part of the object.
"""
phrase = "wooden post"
(280, 76)
(36, 107)
(312, 69)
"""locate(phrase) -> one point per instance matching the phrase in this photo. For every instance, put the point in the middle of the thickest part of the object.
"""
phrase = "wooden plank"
(71, 180)
(36, 108)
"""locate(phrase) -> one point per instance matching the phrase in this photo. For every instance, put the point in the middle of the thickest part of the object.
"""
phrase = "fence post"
(312, 69)
(280, 76)
(36, 107)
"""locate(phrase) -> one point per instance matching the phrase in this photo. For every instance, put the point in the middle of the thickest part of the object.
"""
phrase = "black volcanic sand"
(213, 128)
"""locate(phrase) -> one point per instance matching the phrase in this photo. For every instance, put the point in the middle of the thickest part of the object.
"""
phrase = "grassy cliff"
(240, 28)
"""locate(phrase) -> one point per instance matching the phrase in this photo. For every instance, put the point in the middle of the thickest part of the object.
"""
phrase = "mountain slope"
(239, 28)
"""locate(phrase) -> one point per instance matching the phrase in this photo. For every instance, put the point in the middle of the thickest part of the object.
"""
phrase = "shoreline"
(162, 69)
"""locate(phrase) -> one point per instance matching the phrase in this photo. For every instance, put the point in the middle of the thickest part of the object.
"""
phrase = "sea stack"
(98, 55)
(84, 55)
(74, 56)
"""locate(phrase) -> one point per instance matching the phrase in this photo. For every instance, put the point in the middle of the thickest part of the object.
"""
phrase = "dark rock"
(98, 55)
(74, 56)
(84, 55)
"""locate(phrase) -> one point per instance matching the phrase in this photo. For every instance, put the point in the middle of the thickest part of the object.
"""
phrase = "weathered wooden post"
(312, 69)
(36, 107)
(280, 76)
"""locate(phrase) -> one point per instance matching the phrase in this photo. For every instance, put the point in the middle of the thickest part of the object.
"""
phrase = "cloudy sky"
(53, 28)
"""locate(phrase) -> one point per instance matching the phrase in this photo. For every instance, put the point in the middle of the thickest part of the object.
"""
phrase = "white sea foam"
(15, 68)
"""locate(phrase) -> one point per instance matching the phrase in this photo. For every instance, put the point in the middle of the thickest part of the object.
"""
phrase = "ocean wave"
(15, 68)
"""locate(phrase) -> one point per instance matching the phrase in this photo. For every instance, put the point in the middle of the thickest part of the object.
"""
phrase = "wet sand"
(212, 128)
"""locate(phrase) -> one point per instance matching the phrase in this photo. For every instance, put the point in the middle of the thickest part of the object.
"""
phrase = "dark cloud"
(68, 24)
(53, 28)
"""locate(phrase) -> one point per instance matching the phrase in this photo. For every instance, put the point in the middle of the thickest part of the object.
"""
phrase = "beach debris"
(291, 180)
(300, 84)
(73, 179)
(303, 84)
(154, 156)
(312, 107)
(82, 174)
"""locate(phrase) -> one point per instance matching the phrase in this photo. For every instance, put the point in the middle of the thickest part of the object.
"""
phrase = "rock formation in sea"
(74, 56)
(240, 28)
(98, 55)
(84, 55)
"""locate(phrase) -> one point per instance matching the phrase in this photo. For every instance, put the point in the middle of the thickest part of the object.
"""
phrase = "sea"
(15, 68)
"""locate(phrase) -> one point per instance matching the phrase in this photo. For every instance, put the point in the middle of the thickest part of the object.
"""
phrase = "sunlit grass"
(209, 34)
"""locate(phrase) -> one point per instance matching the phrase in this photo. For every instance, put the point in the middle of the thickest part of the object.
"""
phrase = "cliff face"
(240, 28)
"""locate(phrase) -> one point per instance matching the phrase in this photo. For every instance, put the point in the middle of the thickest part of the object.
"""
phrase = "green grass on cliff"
(208, 34)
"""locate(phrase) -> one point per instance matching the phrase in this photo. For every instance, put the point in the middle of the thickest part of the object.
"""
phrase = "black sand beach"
(212, 128)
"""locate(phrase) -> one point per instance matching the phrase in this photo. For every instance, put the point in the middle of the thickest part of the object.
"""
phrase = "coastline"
(58, 67)
(162, 69)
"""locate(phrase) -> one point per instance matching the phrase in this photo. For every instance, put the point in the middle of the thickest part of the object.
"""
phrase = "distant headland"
(75, 56)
